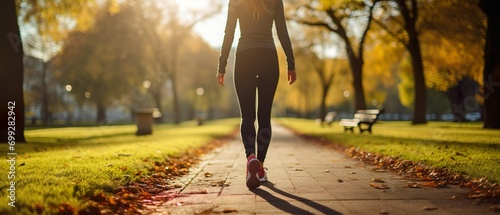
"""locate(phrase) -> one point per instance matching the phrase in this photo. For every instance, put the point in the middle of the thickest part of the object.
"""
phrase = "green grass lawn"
(67, 165)
(463, 148)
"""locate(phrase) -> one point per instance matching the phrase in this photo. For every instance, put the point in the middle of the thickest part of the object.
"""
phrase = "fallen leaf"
(132, 189)
(378, 180)
(198, 192)
(379, 186)
(38, 208)
(66, 208)
(478, 196)
(226, 211)
(98, 197)
(111, 201)
(220, 183)
(427, 208)
(412, 185)
(440, 184)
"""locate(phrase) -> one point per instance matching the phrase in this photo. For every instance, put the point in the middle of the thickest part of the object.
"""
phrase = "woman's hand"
(220, 78)
(292, 76)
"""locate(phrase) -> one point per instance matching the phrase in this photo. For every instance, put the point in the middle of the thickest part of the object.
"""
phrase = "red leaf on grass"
(66, 209)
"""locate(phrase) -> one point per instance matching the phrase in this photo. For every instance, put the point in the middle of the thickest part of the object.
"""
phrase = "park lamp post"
(200, 116)
(86, 112)
(68, 89)
(346, 95)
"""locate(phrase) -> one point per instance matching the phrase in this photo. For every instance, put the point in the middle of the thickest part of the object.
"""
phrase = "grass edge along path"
(438, 176)
(104, 169)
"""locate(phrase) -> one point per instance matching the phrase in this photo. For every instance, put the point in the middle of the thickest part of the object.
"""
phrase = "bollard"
(144, 120)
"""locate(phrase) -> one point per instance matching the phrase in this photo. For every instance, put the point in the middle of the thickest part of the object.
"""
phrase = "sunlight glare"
(210, 29)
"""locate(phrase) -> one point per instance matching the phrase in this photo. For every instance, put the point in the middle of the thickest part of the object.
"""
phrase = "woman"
(256, 73)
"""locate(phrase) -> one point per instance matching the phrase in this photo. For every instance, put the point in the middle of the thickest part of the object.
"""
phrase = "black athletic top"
(255, 33)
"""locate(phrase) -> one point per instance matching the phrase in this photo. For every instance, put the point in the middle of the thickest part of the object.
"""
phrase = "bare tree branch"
(393, 34)
(365, 32)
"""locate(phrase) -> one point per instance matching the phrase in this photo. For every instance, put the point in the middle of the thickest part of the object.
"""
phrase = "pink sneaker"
(253, 166)
(263, 174)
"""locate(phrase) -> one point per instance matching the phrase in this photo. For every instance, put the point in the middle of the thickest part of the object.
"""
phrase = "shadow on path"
(286, 206)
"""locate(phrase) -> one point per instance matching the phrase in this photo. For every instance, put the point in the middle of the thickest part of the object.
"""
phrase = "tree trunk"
(491, 72)
(456, 95)
(322, 111)
(101, 113)
(419, 111)
(410, 16)
(11, 75)
(45, 96)
(356, 62)
(357, 83)
(175, 97)
(173, 77)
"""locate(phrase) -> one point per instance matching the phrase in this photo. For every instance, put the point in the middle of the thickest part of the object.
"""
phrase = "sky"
(211, 29)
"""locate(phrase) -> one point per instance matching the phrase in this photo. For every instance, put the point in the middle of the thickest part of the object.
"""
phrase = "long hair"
(257, 8)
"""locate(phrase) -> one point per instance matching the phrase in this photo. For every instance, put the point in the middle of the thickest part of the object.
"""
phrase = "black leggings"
(256, 73)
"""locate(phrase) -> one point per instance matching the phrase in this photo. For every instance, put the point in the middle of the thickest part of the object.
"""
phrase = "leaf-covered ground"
(481, 189)
(437, 154)
(104, 169)
(150, 191)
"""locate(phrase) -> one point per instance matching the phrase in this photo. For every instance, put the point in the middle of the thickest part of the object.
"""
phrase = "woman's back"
(256, 18)
(255, 27)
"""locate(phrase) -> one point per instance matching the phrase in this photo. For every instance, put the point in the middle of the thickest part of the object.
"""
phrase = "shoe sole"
(253, 180)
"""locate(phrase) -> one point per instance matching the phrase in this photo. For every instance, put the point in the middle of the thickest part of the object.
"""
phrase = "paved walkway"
(306, 178)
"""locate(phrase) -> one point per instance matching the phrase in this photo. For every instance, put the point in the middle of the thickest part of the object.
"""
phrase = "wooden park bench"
(363, 119)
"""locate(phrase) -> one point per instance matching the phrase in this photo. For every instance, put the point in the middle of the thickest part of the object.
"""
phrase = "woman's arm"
(228, 35)
(283, 36)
